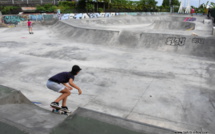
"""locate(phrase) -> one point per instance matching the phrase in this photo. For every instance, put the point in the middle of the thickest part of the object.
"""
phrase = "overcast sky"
(192, 2)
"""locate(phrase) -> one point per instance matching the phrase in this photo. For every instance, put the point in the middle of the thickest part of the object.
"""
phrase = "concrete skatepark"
(146, 74)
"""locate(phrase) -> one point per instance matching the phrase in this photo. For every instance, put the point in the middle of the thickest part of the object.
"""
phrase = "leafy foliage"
(10, 9)
(203, 8)
(89, 7)
(46, 8)
(100, 6)
(148, 4)
(212, 5)
(100, 10)
(167, 4)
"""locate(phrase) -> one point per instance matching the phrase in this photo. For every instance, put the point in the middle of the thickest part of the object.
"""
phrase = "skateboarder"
(63, 83)
(30, 27)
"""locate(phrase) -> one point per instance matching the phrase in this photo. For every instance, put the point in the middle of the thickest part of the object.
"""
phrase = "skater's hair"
(75, 69)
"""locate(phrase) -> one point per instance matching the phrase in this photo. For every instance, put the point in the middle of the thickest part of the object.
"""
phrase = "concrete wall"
(20, 19)
(0, 17)
(214, 31)
(85, 121)
(188, 45)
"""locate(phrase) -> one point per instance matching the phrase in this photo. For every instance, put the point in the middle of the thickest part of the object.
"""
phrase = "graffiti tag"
(13, 19)
(190, 19)
(198, 41)
(176, 41)
(36, 17)
(48, 17)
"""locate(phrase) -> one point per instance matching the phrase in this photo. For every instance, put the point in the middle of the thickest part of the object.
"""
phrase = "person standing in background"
(30, 27)
(192, 11)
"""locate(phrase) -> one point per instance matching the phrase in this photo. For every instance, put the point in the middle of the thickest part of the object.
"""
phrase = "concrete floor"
(162, 86)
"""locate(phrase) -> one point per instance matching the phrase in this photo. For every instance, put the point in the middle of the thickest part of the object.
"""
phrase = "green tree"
(119, 1)
(148, 5)
(174, 2)
(90, 7)
(81, 6)
(40, 8)
(46, 8)
(67, 6)
(100, 10)
(212, 5)
(10, 9)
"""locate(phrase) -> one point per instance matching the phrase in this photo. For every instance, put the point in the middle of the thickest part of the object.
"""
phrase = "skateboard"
(59, 110)
(31, 33)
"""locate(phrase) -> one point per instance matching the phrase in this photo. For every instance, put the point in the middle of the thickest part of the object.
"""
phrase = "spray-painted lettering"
(36, 17)
(198, 40)
(190, 19)
(13, 19)
(176, 41)
(48, 17)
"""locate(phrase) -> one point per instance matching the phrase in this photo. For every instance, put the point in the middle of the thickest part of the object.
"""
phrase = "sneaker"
(65, 108)
(54, 104)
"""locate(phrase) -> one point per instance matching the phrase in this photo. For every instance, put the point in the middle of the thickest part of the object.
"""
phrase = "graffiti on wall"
(48, 17)
(66, 16)
(176, 41)
(93, 15)
(198, 41)
(15, 19)
(189, 19)
(38, 17)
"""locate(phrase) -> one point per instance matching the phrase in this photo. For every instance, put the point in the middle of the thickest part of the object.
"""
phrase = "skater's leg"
(64, 101)
(65, 92)
(29, 29)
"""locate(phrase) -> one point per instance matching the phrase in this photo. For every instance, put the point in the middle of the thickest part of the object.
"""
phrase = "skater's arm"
(75, 86)
(67, 85)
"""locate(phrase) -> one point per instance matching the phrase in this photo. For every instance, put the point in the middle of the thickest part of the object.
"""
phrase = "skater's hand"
(79, 92)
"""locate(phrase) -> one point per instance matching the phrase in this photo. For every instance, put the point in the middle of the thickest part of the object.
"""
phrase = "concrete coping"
(207, 21)
(86, 121)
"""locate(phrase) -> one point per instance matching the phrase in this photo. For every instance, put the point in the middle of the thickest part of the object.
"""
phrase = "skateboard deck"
(59, 110)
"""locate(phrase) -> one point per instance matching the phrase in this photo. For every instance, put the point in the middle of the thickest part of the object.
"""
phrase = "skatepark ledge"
(21, 116)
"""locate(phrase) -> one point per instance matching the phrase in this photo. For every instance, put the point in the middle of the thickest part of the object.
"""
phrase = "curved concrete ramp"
(171, 25)
(130, 20)
(10, 96)
(139, 74)
(171, 41)
(85, 121)
(20, 116)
